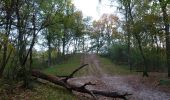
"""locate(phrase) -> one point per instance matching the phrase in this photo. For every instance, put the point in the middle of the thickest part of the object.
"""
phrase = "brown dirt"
(141, 88)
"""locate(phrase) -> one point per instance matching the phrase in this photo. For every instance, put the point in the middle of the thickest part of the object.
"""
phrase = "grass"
(63, 69)
(46, 91)
(49, 91)
(154, 77)
(39, 92)
(39, 64)
(66, 67)
(113, 69)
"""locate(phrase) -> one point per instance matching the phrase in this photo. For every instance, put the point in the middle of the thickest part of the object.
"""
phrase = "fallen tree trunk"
(63, 82)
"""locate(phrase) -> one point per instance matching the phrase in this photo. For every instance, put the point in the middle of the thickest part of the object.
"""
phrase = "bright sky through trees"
(93, 8)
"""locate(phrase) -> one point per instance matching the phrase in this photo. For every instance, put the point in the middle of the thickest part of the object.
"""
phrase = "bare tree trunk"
(72, 87)
(58, 48)
(83, 45)
(6, 57)
(145, 71)
(49, 51)
(31, 60)
(163, 4)
(75, 45)
(128, 38)
(64, 44)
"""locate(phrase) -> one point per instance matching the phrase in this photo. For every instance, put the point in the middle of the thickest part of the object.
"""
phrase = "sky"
(95, 9)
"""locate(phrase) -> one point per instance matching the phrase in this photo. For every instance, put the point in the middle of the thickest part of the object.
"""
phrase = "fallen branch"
(76, 70)
(89, 83)
(73, 87)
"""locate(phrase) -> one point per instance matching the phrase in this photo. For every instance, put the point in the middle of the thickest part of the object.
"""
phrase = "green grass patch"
(114, 69)
(51, 92)
(40, 91)
(165, 82)
(66, 67)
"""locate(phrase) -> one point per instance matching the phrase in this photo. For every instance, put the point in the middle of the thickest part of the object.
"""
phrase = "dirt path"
(94, 68)
(121, 84)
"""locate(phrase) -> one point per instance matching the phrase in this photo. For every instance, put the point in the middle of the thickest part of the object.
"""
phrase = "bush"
(117, 53)
(156, 60)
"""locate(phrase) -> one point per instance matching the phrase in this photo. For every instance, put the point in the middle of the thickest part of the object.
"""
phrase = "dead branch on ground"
(72, 87)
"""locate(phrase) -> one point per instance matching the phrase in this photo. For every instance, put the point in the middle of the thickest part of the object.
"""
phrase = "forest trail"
(117, 83)
(94, 68)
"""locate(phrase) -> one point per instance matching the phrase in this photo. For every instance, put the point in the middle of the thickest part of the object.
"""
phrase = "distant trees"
(146, 27)
(144, 33)
(22, 21)
(104, 31)
(67, 26)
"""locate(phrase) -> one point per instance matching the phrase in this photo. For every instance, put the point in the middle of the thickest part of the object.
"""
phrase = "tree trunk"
(98, 45)
(75, 45)
(72, 87)
(3, 60)
(83, 45)
(31, 60)
(163, 5)
(58, 47)
(145, 73)
(145, 69)
(49, 52)
(128, 39)
(64, 44)
(5, 45)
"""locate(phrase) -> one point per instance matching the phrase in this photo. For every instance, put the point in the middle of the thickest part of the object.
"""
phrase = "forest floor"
(100, 71)
(141, 88)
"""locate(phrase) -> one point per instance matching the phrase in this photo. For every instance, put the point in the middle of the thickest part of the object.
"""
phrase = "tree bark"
(49, 51)
(163, 5)
(64, 44)
(137, 37)
(8, 24)
(128, 38)
(72, 87)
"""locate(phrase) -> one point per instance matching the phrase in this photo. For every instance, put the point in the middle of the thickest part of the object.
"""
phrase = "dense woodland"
(140, 39)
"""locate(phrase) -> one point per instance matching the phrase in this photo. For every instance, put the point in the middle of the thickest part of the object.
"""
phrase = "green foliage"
(66, 67)
(164, 82)
(114, 69)
(50, 92)
(41, 91)
(104, 31)
(117, 53)
(156, 60)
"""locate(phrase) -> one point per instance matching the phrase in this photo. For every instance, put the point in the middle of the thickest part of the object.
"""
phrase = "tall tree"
(164, 7)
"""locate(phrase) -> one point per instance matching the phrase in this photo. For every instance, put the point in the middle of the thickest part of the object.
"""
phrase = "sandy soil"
(122, 84)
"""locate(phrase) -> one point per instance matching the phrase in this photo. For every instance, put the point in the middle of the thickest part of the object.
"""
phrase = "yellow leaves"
(3, 38)
(109, 18)
(137, 27)
(10, 47)
(108, 22)
(150, 19)
(4, 41)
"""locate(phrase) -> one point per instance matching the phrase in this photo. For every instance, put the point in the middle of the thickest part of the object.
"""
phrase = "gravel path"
(121, 84)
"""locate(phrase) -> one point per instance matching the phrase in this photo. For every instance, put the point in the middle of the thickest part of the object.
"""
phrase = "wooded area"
(139, 40)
